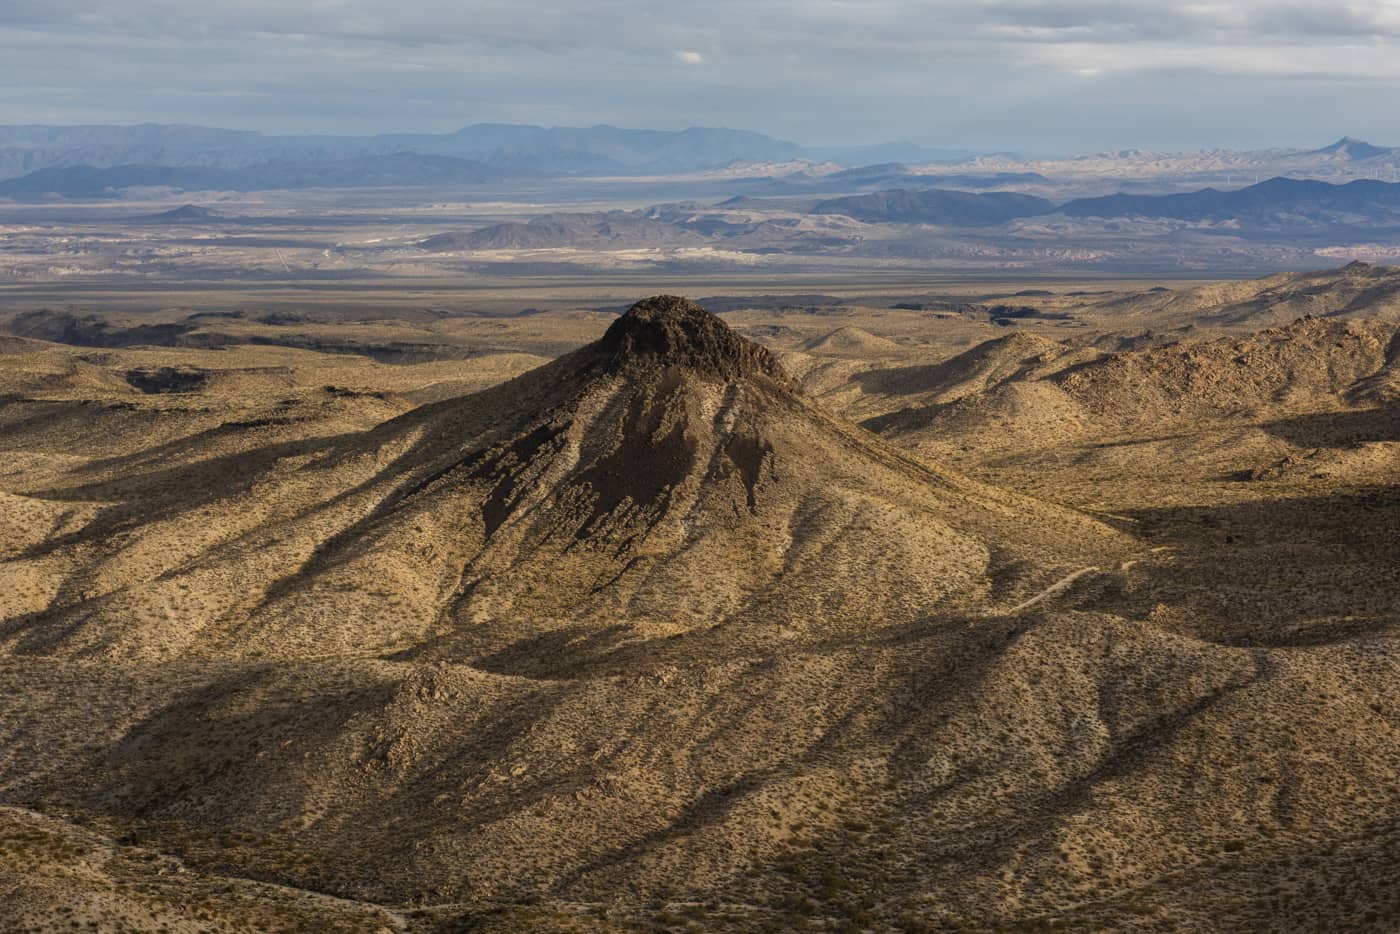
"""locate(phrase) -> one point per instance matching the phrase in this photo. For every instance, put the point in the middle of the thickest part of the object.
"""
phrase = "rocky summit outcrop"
(667, 330)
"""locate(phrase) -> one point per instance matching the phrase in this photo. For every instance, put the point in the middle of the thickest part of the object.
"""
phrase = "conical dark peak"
(668, 330)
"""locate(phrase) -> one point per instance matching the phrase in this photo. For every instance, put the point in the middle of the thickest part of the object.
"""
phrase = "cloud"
(768, 25)
(820, 70)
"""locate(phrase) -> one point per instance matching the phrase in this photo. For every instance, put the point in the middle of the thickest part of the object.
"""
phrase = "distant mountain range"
(85, 182)
(1364, 197)
(513, 148)
(84, 162)
(504, 147)
(1278, 200)
(1276, 205)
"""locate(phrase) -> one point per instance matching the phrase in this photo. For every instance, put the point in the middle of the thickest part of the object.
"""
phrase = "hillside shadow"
(904, 380)
(1280, 572)
(1338, 429)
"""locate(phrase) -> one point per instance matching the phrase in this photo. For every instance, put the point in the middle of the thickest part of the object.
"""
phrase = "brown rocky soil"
(1086, 628)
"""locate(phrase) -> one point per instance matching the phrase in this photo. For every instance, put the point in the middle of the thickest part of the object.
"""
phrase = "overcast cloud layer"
(1047, 76)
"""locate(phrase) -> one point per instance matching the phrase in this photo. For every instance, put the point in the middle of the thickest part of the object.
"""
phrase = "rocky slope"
(647, 639)
(671, 475)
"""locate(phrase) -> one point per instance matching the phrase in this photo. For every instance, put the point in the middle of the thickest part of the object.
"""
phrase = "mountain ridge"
(516, 148)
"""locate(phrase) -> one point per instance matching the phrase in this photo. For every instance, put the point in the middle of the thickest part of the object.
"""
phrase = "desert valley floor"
(996, 608)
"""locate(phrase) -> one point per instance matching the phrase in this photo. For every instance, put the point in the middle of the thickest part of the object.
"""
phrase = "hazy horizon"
(1018, 75)
(1027, 152)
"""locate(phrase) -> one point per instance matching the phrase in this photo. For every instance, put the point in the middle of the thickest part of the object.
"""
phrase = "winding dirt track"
(1060, 586)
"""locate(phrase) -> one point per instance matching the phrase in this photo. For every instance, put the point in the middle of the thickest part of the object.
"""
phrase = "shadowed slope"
(670, 474)
(646, 639)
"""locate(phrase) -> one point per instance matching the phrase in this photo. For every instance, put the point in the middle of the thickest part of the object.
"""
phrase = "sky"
(1033, 76)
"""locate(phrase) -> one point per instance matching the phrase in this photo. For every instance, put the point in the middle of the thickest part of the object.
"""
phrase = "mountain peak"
(192, 212)
(1352, 148)
(668, 330)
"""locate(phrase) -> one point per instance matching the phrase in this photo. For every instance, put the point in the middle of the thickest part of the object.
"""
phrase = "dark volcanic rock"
(167, 379)
(668, 330)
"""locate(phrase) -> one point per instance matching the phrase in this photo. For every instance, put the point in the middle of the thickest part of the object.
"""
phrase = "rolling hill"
(600, 486)
(645, 638)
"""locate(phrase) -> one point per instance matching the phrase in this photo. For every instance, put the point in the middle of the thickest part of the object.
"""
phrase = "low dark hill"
(936, 206)
(1278, 200)
(1364, 197)
(188, 214)
(555, 231)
